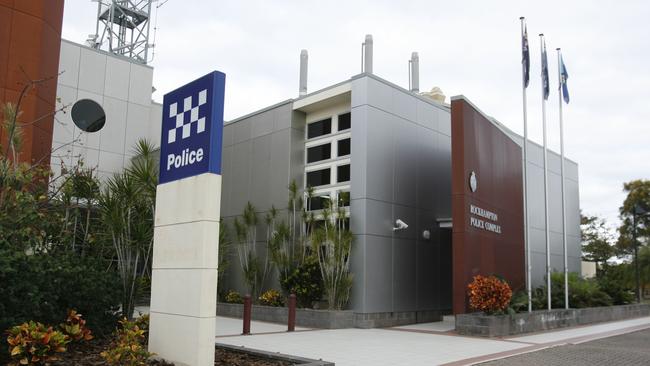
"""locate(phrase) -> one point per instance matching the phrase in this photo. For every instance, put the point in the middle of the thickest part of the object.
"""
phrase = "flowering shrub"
(75, 327)
(234, 297)
(35, 343)
(129, 348)
(489, 294)
(271, 298)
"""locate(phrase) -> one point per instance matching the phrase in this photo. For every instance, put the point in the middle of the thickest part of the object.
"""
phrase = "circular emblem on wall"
(473, 183)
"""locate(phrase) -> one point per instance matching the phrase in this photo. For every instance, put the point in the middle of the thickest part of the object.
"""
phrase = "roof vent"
(435, 94)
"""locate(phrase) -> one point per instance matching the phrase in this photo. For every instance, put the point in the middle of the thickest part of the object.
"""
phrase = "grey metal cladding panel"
(404, 275)
(427, 115)
(379, 274)
(298, 119)
(537, 239)
(379, 94)
(380, 156)
(227, 179)
(427, 169)
(228, 134)
(261, 173)
(427, 274)
(538, 269)
(378, 217)
(358, 216)
(557, 246)
(357, 268)
(406, 156)
(571, 170)
(241, 169)
(297, 162)
(443, 177)
(574, 248)
(279, 153)
(535, 195)
(282, 117)
(359, 89)
(554, 163)
(572, 207)
(242, 130)
(358, 153)
(444, 122)
(555, 202)
(535, 154)
(404, 105)
(262, 123)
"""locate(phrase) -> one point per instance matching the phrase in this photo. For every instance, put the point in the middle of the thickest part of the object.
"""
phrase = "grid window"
(344, 199)
(318, 202)
(344, 121)
(343, 173)
(344, 147)
(318, 177)
(320, 128)
(318, 153)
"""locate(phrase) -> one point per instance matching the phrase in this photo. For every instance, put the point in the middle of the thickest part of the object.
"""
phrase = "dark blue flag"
(545, 84)
(525, 57)
(564, 75)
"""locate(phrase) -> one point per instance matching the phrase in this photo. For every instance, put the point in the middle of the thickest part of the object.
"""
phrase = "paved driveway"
(627, 349)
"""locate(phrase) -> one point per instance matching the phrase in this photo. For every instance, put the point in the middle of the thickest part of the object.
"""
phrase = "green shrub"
(616, 282)
(129, 347)
(271, 298)
(583, 293)
(43, 287)
(305, 282)
(234, 297)
(34, 343)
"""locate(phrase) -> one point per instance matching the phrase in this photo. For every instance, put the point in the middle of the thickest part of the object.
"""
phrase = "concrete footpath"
(420, 344)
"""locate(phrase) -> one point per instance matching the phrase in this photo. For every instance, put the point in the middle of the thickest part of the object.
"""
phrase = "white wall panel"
(137, 126)
(140, 84)
(117, 78)
(92, 71)
(69, 64)
(112, 135)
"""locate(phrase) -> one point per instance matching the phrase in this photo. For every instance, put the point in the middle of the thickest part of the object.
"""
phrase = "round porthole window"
(88, 115)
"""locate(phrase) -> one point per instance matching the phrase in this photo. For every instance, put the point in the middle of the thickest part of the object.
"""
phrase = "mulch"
(88, 354)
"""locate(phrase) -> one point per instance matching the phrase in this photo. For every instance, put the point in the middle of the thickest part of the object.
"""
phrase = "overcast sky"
(466, 47)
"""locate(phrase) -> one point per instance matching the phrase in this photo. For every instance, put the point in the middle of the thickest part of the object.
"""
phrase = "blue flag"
(545, 84)
(525, 57)
(564, 75)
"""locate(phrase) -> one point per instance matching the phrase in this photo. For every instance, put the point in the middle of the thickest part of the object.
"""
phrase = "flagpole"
(564, 235)
(542, 45)
(525, 188)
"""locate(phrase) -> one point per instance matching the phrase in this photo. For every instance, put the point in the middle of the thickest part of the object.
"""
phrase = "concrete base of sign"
(184, 270)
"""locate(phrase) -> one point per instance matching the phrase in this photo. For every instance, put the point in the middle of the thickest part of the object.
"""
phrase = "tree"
(638, 193)
(596, 241)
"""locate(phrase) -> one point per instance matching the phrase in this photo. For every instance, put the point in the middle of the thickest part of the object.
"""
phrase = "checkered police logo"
(188, 118)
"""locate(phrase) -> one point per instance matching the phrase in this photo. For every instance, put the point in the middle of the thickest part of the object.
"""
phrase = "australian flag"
(564, 75)
(545, 84)
(525, 57)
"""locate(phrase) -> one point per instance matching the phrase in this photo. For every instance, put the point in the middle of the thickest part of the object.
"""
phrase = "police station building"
(450, 172)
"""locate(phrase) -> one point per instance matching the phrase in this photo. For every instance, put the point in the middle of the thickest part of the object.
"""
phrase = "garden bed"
(479, 324)
(88, 353)
(311, 318)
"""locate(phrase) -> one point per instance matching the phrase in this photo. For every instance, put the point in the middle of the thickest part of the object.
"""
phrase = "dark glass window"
(320, 152)
(344, 121)
(319, 128)
(319, 177)
(343, 173)
(318, 202)
(344, 147)
(344, 199)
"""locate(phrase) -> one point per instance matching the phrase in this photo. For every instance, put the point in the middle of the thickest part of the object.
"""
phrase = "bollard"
(247, 315)
(292, 313)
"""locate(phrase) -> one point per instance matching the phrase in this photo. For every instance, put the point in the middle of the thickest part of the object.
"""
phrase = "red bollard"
(292, 313)
(247, 315)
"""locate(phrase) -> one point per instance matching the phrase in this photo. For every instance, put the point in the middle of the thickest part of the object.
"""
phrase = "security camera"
(400, 225)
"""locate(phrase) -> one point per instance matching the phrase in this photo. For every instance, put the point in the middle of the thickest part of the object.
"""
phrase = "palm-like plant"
(127, 205)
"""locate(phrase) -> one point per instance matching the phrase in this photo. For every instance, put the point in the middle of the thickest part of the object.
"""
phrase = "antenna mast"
(123, 28)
